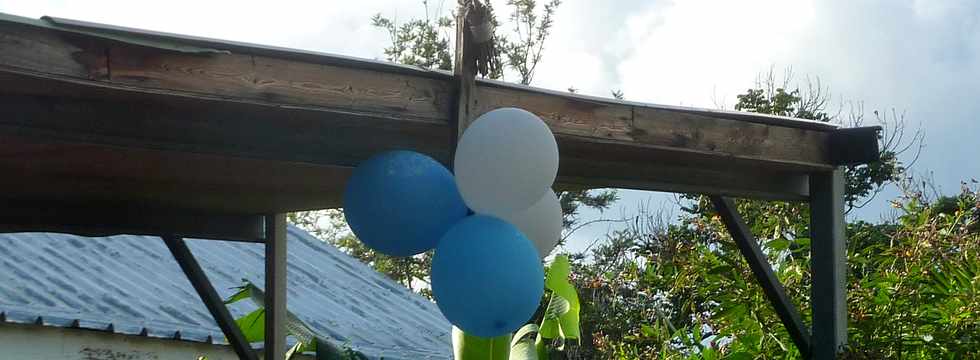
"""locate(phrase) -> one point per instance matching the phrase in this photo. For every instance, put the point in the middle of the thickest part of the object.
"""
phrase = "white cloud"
(699, 46)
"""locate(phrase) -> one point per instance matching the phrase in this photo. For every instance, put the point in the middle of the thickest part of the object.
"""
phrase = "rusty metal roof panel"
(132, 285)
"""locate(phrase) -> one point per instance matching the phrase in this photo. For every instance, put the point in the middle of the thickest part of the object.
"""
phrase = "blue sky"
(919, 57)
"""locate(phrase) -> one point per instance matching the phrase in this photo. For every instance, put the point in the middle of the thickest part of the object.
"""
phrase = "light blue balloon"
(487, 277)
(400, 203)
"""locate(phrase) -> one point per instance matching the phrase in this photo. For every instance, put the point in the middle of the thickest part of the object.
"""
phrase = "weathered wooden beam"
(199, 280)
(759, 264)
(105, 220)
(828, 264)
(293, 107)
(370, 92)
(693, 135)
(464, 81)
(464, 77)
(94, 174)
(236, 138)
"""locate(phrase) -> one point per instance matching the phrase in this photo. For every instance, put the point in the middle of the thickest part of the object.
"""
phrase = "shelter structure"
(65, 296)
(110, 130)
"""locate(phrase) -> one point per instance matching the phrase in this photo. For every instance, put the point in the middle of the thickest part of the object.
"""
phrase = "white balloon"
(540, 223)
(505, 160)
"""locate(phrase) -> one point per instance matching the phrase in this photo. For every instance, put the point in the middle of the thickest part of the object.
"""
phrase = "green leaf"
(778, 244)
(522, 346)
(549, 327)
(253, 325)
(720, 269)
(709, 354)
(541, 346)
(647, 330)
(557, 307)
(557, 282)
(472, 347)
(244, 292)
(524, 331)
(294, 350)
(523, 350)
(741, 355)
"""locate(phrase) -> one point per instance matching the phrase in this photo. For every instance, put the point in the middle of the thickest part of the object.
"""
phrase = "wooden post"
(828, 263)
(275, 286)
(464, 77)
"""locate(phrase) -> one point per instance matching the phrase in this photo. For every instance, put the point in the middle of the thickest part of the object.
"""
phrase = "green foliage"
(572, 200)
(423, 43)
(561, 319)
(920, 283)
(466, 346)
(531, 30)
(524, 347)
(681, 290)
(426, 42)
(252, 326)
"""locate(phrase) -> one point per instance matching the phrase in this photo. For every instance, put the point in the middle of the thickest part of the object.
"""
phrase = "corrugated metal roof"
(132, 285)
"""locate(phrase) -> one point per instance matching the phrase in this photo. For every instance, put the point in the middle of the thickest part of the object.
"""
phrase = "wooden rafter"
(70, 92)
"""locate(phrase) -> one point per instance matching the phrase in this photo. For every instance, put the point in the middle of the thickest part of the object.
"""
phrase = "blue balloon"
(487, 278)
(400, 203)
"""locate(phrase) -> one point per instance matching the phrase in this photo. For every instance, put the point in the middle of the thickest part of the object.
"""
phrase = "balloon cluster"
(486, 276)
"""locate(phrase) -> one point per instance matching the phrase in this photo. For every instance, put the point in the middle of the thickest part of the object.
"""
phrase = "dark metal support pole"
(210, 297)
(275, 286)
(827, 239)
(759, 264)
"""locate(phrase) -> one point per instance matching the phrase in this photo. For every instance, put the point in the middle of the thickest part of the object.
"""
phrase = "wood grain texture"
(277, 81)
(565, 116)
(666, 130)
(464, 77)
(102, 220)
(730, 138)
(52, 171)
(48, 52)
(234, 129)
(278, 111)
(668, 177)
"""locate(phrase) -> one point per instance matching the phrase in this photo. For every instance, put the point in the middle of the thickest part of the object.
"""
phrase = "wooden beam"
(106, 220)
(828, 264)
(759, 264)
(199, 280)
(692, 135)
(464, 76)
(275, 286)
(286, 106)
(281, 82)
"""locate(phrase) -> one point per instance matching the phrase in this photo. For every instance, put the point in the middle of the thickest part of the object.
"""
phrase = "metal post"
(275, 286)
(210, 297)
(759, 264)
(828, 263)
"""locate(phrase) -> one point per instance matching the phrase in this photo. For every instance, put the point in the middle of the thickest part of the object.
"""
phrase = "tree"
(681, 289)
(531, 30)
(422, 43)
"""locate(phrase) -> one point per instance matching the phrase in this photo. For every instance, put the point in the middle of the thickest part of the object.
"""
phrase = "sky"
(920, 58)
